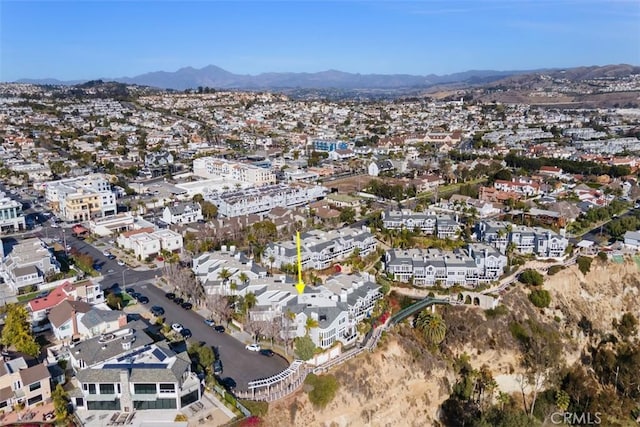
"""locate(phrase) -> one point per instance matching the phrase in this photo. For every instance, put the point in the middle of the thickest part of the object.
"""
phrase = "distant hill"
(218, 78)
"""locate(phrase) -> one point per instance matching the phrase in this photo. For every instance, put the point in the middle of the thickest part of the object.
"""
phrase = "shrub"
(324, 389)
(540, 298)
(555, 269)
(602, 256)
(259, 409)
(181, 418)
(229, 398)
(518, 331)
(304, 347)
(531, 277)
(114, 301)
(500, 310)
(584, 264)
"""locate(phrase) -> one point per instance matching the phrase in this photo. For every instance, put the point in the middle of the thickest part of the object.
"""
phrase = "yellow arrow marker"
(300, 284)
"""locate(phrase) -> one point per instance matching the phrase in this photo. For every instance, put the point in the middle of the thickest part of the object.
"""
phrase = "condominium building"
(81, 198)
(320, 249)
(11, 216)
(526, 240)
(441, 225)
(213, 167)
(23, 384)
(428, 267)
(260, 200)
(125, 371)
(27, 264)
(146, 242)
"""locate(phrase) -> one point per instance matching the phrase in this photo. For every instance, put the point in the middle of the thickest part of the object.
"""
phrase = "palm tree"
(311, 323)
(250, 300)
(271, 260)
(243, 278)
(432, 326)
(224, 275)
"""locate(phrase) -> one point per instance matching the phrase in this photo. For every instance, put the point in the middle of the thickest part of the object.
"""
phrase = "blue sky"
(92, 39)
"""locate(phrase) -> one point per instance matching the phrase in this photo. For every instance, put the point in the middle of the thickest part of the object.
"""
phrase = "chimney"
(74, 321)
(122, 321)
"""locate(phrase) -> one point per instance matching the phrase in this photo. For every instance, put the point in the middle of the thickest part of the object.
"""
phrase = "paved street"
(240, 364)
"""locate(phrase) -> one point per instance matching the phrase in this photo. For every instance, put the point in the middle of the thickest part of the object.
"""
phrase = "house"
(526, 240)
(182, 213)
(441, 225)
(11, 215)
(23, 383)
(380, 166)
(632, 239)
(40, 307)
(27, 263)
(526, 189)
(64, 318)
(146, 243)
(125, 370)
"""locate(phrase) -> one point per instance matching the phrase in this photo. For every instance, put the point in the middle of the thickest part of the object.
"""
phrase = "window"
(92, 389)
(167, 388)
(107, 389)
(155, 404)
(3, 404)
(34, 400)
(104, 406)
(145, 389)
(34, 386)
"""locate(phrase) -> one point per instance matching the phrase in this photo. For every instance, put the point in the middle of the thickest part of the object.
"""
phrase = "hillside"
(404, 383)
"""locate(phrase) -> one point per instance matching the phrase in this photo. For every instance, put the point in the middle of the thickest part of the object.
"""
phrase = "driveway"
(238, 363)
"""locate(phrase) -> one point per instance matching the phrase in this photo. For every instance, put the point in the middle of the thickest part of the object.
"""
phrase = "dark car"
(178, 300)
(170, 295)
(130, 291)
(156, 310)
(187, 305)
(267, 352)
(217, 367)
(143, 300)
(135, 295)
(219, 328)
(228, 383)
(186, 333)
(111, 256)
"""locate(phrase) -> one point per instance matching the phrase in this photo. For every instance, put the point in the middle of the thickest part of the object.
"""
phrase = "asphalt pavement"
(238, 363)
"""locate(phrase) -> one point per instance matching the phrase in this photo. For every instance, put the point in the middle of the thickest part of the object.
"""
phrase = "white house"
(182, 213)
(632, 239)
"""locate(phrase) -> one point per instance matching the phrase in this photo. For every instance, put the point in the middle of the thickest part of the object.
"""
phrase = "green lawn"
(27, 297)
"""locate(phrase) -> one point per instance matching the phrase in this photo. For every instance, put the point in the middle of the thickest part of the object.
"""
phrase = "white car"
(177, 327)
(120, 262)
(253, 347)
(105, 253)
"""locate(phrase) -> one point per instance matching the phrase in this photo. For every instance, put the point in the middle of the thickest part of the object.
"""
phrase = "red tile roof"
(54, 298)
(134, 232)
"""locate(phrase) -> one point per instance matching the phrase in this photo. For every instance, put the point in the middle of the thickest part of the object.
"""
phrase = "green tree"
(304, 347)
(60, 403)
(323, 390)
(348, 215)
(209, 210)
(531, 277)
(17, 331)
(431, 325)
(584, 264)
(202, 356)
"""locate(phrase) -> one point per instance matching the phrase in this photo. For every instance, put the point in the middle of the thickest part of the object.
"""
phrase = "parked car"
(106, 253)
(111, 256)
(120, 262)
(134, 295)
(43, 294)
(170, 295)
(219, 328)
(253, 347)
(187, 305)
(178, 300)
(267, 352)
(210, 322)
(228, 383)
(157, 311)
(130, 291)
(186, 333)
(177, 327)
(143, 300)
(217, 367)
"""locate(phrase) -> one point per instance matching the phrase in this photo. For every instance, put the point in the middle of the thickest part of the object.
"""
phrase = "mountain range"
(218, 78)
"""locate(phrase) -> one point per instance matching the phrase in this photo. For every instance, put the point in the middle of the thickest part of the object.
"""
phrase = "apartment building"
(428, 267)
(213, 167)
(21, 383)
(526, 240)
(11, 216)
(27, 264)
(146, 242)
(81, 198)
(260, 200)
(320, 249)
(441, 225)
(125, 370)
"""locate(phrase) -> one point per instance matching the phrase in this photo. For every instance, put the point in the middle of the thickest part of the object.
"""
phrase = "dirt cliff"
(403, 383)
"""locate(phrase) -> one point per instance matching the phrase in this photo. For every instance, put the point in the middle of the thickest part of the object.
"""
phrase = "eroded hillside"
(404, 383)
